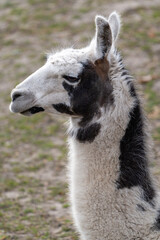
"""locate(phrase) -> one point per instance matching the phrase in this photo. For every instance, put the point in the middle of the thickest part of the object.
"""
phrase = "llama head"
(72, 81)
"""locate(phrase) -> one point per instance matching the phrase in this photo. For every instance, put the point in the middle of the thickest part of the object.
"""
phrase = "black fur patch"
(88, 134)
(91, 93)
(133, 159)
(63, 108)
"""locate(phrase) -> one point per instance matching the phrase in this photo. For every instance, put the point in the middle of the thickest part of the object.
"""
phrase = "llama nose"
(16, 95)
(21, 100)
(19, 95)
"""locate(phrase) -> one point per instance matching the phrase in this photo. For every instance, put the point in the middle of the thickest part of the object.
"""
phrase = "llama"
(111, 189)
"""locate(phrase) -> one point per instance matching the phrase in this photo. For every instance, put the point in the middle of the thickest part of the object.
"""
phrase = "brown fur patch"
(102, 69)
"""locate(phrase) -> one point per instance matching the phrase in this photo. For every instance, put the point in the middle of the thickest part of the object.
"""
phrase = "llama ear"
(103, 38)
(115, 24)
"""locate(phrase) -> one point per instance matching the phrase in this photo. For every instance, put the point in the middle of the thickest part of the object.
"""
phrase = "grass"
(156, 135)
(152, 98)
(134, 35)
(32, 130)
(60, 191)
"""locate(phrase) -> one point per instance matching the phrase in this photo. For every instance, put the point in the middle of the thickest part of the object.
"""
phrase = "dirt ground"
(33, 152)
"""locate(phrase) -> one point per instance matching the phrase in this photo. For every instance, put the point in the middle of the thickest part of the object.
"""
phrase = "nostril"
(15, 96)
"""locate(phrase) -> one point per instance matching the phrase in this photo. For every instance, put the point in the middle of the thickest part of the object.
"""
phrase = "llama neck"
(109, 177)
(98, 157)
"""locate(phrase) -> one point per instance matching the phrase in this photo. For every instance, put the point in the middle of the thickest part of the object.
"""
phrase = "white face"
(70, 78)
(45, 87)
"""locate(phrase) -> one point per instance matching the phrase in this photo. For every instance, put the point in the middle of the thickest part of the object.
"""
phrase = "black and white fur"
(111, 189)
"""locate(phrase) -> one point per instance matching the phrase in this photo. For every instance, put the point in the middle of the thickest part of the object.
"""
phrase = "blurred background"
(33, 154)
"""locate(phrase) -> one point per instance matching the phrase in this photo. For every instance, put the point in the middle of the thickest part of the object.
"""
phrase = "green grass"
(31, 131)
(136, 36)
(8, 184)
(156, 135)
(152, 98)
(59, 190)
(84, 10)
(45, 156)
(8, 4)
(28, 210)
(18, 11)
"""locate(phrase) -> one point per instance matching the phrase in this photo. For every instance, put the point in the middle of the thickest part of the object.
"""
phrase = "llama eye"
(71, 79)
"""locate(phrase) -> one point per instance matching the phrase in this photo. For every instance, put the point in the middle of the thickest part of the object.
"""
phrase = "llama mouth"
(32, 110)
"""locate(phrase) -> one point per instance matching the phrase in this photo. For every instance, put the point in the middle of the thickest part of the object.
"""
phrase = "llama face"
(45, 87)
(73, 82)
